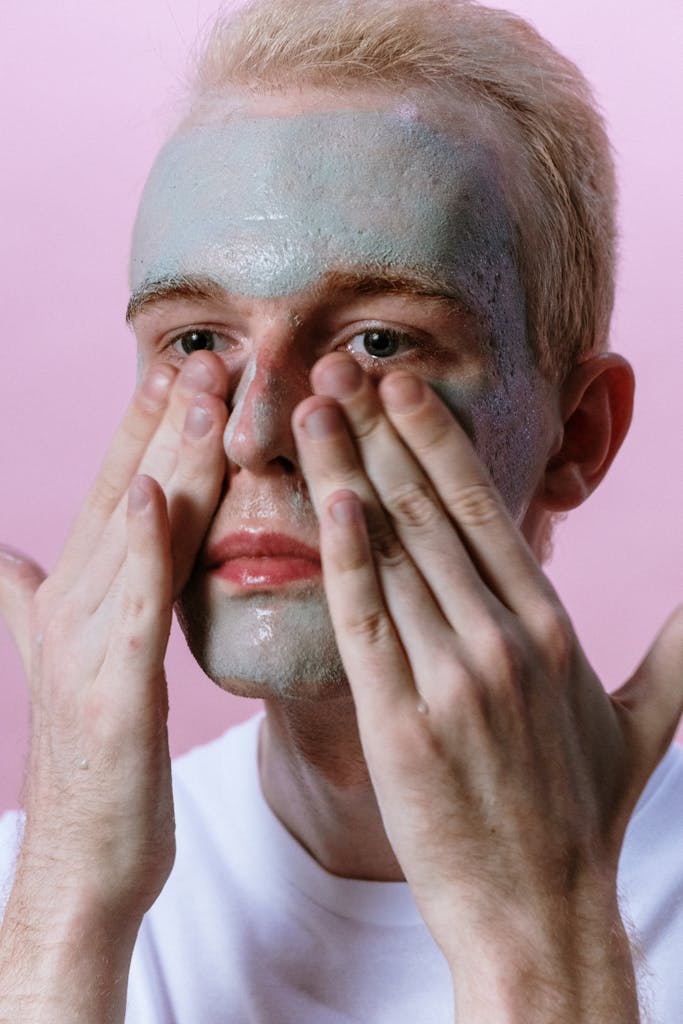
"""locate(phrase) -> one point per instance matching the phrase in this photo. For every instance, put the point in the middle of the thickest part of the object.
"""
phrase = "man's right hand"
(99, 837)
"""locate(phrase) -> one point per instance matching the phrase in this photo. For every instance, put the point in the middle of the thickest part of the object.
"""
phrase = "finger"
(20, 578)
(202, 374)
(406, 493)
(147, 445)
(373, 658)
(441, 446)
(330, 463)
(651, 701)
(196, 486)
(140, 634)
(191, 493)
(140, 423)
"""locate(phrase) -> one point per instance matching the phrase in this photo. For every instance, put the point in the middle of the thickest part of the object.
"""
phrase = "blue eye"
(199, 339)
(379, 343)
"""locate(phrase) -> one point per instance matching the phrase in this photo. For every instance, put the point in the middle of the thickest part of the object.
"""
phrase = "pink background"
(88, 92)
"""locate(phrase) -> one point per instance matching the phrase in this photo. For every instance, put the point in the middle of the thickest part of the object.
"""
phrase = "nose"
(258, 434)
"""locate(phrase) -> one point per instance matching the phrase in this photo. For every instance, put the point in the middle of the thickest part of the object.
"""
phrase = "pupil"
(195, 340)
(381, 343)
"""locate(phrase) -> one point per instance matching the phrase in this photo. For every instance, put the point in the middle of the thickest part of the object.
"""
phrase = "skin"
(504, 805)
(324, 201)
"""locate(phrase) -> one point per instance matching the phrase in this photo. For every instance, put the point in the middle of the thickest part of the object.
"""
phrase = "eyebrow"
(176, 287)
(360, 282)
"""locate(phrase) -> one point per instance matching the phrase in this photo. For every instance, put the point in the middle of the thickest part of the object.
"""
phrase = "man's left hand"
(504, 772)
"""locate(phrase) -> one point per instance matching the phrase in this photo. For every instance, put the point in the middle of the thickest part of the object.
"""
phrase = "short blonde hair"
(562, 207)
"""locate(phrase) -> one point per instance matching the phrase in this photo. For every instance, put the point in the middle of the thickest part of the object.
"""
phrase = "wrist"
(62, 957)
(567, 963)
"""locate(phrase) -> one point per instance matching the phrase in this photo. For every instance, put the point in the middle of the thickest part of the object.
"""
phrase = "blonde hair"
(563, 201)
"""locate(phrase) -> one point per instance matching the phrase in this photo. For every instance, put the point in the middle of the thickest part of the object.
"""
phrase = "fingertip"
(204, 372)
(156, 386)
(402, 392)
(337, 375)
(140, 493)
(308, 405)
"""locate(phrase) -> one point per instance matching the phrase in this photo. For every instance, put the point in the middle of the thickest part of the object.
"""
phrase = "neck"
(316, 781)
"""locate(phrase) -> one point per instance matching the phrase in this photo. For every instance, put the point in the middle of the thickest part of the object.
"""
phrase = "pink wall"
(86, 90)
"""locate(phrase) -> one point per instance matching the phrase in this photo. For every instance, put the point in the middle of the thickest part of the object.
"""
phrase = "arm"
(504, 773)
(99, 835)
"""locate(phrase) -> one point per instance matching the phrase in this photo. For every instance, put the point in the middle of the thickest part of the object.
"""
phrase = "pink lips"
(262, 560)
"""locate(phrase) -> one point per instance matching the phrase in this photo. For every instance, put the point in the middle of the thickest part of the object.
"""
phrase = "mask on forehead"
(266, 206)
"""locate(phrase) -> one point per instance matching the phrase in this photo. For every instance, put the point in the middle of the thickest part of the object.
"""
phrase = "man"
(388, 188)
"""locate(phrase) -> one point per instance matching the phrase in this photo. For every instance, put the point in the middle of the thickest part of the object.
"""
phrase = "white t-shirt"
(249, 929)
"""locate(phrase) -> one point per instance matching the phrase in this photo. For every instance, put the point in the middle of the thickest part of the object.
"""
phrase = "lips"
(262, 560)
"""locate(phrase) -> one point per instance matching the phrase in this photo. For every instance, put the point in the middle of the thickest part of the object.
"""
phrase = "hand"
(99, 817)
(504, 773)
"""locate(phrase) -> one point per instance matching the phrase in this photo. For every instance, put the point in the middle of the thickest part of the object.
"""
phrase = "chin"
(265, 645)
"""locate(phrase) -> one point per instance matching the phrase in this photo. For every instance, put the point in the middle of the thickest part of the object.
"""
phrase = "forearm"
(61, 959)
(577, 970)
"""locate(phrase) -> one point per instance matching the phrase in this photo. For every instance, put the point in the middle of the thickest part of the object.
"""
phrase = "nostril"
(286, 465)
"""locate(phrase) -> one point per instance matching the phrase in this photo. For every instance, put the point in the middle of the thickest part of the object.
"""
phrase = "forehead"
(267, 205)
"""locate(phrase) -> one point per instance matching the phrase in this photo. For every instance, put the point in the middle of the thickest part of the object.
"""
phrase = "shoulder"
(651, 887)
(656, 825)
(651, 859)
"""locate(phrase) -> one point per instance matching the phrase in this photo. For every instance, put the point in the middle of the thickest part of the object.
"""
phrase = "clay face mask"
(265, 206)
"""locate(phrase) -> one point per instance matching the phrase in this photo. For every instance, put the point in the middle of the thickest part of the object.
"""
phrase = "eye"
(379, 343)
(199, 338)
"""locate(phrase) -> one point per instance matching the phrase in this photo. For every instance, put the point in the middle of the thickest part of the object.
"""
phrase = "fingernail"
(346, 510)
(196, 374)
(340, 380)
(139, 494)
(401, 393)
(323, 422)
(197, 422)
(156, 386)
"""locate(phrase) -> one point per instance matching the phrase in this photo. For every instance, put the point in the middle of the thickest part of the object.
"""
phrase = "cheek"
(142, 367)
(506, 422)
(146, 358)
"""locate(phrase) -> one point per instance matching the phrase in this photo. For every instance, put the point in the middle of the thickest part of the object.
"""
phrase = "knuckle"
(162, 461)
(369, 425)
(556, 635)
(372, 628)
(386, 546)
(133, 606)
(413, 505)
(105, 495)
(500, 657)
(462, 696)
(191, 471)
(350, 559)
(474, 505)
(387, 549)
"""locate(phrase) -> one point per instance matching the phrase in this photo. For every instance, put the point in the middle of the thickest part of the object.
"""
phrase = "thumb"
(20, 577)
(652, 699)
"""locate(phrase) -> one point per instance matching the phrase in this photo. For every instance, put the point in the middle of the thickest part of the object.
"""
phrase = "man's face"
(291, 229)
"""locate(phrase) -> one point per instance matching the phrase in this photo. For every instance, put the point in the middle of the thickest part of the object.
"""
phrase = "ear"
(596, 404)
